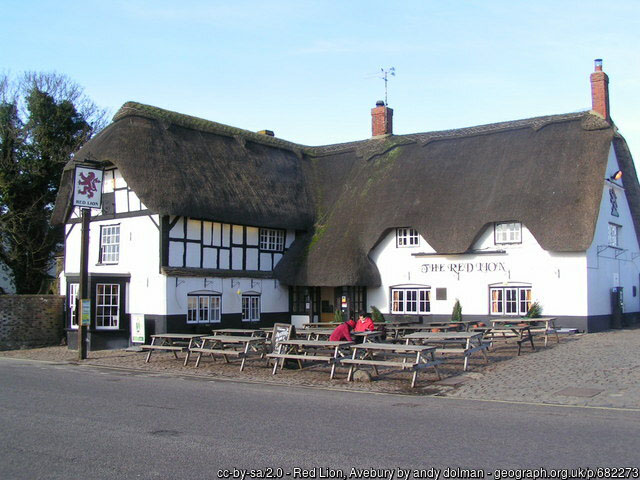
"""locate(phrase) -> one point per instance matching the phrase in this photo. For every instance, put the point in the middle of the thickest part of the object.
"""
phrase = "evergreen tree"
(44, 118)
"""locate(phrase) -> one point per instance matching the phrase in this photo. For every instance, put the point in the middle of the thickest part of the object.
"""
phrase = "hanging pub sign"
(87, 187)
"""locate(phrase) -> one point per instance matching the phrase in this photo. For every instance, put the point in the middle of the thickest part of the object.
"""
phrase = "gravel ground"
(601, 369)
(389, 381)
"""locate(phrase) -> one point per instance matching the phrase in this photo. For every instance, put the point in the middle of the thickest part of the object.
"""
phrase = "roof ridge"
(197, 123)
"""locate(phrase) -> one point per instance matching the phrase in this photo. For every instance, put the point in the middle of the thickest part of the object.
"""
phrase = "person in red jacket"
(343, 331)
(364, 323)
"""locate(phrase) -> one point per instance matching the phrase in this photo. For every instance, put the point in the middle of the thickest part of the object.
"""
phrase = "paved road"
(65, 421)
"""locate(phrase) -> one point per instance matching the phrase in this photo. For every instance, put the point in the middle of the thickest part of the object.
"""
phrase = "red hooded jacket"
(343, 332)
(365, 324)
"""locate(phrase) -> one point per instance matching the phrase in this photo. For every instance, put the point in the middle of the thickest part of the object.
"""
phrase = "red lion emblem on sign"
(87, 184)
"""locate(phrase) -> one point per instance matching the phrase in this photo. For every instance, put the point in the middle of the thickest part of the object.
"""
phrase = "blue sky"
(307, 69)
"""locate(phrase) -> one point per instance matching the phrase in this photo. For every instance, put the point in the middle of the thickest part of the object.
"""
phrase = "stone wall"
(30, 320)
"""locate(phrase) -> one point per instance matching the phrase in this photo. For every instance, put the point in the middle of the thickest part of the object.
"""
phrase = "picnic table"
(405, 357)
(230, 346)
(368, 336)
(173, 342)
(522, 333)
(308, 351)
(396, 332)
(252, 332)
(466, 343)
(548, 328)
(315, 333)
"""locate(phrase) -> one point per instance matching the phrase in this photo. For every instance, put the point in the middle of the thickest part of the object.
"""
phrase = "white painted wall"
(139, 257)
(274, 298)
(558, 281)
(613, 267)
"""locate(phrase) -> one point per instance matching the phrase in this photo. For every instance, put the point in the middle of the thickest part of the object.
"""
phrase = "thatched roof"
(181, 165)
(546, 172)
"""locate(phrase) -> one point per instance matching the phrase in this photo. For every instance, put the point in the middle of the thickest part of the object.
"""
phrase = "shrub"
(376, 315)
(456, 314)
(535, 310)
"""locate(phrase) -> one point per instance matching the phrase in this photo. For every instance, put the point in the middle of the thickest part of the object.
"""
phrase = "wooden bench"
(168, 348)
(216, 351)
(414, 357)
(308, 351)
(230, 345)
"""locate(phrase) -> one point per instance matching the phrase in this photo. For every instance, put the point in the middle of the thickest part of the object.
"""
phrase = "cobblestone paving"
(598, 369)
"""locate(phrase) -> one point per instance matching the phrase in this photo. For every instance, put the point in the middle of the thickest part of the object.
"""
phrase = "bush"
(376, 315)
(535, 310)
(456, 314)
(338, 316)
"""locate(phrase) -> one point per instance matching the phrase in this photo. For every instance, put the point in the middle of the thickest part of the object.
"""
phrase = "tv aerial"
(384, 75)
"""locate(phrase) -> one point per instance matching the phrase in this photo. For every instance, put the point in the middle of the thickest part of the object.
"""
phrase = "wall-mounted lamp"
(616, 176)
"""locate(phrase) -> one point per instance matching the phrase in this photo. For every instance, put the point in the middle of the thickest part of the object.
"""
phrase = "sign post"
(87, 194)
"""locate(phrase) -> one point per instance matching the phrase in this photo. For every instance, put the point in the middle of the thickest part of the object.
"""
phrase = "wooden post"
(83, 290)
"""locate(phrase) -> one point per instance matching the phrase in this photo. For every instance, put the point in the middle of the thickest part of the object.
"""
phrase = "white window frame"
(250, 308)
(204, 308)
(407, 237)
(114, 322)
(507, 232)
(510, 300)
(411, 300)
(110, 244)
(613, 235)
(74, 288)
(272, 240)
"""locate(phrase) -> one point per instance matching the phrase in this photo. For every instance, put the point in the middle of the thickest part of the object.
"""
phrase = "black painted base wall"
(590, 324)
(99, 340)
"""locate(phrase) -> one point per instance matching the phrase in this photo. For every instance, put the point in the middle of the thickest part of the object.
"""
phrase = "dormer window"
(407, 237)
(508, 232)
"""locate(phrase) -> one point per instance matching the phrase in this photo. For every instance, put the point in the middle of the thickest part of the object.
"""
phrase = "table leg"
(415, 370)
(333, 366)
(153, 341)
(466, 355)
(244, 357)
(353, 357)
(186, 359)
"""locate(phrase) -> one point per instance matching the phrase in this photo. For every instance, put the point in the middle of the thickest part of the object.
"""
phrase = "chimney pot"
(598, 64)
(269, 133)
(380, 103)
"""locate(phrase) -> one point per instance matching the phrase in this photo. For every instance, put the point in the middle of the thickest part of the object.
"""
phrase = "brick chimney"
(600, 90)
(381, 119)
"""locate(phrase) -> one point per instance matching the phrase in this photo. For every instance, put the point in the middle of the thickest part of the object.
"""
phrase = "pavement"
(600, 370)
(595, 370)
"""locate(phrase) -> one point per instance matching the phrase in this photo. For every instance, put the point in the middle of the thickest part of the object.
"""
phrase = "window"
(614, 234)
(73, 295)
(271, 240)
(299, 300)
(107, 305)
(508, 233)
(203, 308)
(407, 237)
(410, 300)
(509, 300)
(250, 308)
(109, 244)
